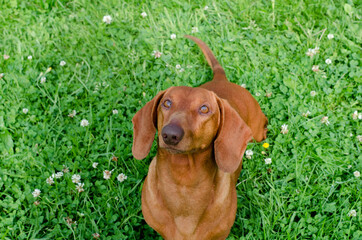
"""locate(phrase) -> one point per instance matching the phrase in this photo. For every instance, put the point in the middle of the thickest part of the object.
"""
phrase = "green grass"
(307, 191)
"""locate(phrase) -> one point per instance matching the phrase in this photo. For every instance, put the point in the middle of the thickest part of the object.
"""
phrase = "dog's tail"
(214, 64)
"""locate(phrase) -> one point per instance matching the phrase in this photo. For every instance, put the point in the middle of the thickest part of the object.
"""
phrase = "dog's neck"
(187, 169)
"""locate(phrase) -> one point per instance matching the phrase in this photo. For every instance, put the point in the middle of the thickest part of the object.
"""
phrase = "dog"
(190, 190)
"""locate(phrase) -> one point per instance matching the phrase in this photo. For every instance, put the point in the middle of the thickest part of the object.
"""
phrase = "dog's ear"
(233, 136)
(144, 127)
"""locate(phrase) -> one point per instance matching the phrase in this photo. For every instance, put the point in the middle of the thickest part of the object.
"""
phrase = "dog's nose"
(172, 134)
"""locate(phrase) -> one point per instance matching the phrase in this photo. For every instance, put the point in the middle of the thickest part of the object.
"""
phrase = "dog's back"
(238, 97)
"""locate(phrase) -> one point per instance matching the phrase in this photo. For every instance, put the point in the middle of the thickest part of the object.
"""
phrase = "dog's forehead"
(183, 93)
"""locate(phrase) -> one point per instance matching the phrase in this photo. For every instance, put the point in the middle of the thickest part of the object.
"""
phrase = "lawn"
(72, 78)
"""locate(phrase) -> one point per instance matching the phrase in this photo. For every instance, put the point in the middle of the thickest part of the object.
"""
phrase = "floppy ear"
(233, 136)
(144, 127)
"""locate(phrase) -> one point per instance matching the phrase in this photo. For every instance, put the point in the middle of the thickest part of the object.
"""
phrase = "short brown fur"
(190, 192)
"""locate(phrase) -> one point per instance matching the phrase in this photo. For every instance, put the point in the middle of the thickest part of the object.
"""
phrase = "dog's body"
(190, 192)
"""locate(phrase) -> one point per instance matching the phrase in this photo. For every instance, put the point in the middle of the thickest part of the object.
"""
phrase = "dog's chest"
(187, 204)
(184, 200)
(188, 207)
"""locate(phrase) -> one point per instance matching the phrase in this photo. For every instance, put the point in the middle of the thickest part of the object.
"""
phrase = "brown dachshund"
(190, 191)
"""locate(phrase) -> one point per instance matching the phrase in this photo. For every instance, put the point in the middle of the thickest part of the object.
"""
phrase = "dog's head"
(189, 120)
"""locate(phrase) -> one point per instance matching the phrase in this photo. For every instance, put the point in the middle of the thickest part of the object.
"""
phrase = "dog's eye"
(167, 103)
(204, 109)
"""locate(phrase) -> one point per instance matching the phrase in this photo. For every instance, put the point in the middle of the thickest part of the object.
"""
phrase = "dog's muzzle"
(172, 134)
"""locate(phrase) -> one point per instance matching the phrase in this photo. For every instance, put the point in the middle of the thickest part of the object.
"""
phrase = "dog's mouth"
(173, 150)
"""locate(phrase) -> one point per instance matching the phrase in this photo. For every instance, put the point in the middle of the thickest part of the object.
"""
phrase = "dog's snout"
(172, 134)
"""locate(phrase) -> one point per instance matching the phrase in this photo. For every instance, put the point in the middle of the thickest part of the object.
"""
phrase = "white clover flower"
(107, 174)
(173, 36)
(313, 93)
(178, 66)
(76, 178)
(311, 52)
(181, 70)
(84, 123)
(205, 8)
(114, 158)
(94, 165)
(248, 154)
(315, 68)
(58, 175)
(268, 160)
(50, 180)
(121, 177)
(1, 75)
(6, 57)
(25, 110)
(107, 19)
(72, 114)
(330, 36)
(325, 120)
(36, 193)
(144, 94)
(355, 115)
(328, 61)
(352, 213)
(115, 111)
(96, 235)
(43, 80)
(356, 173)
(144, 14)
(65, 169)
(306, 114)
(349, 166)
(243, 85)
(257, 94)
(70, 221)
(157, 54)
(79, 187)
(195, 30)
(284, 129)
(359, 137)
(30, 57)
(62, 63)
